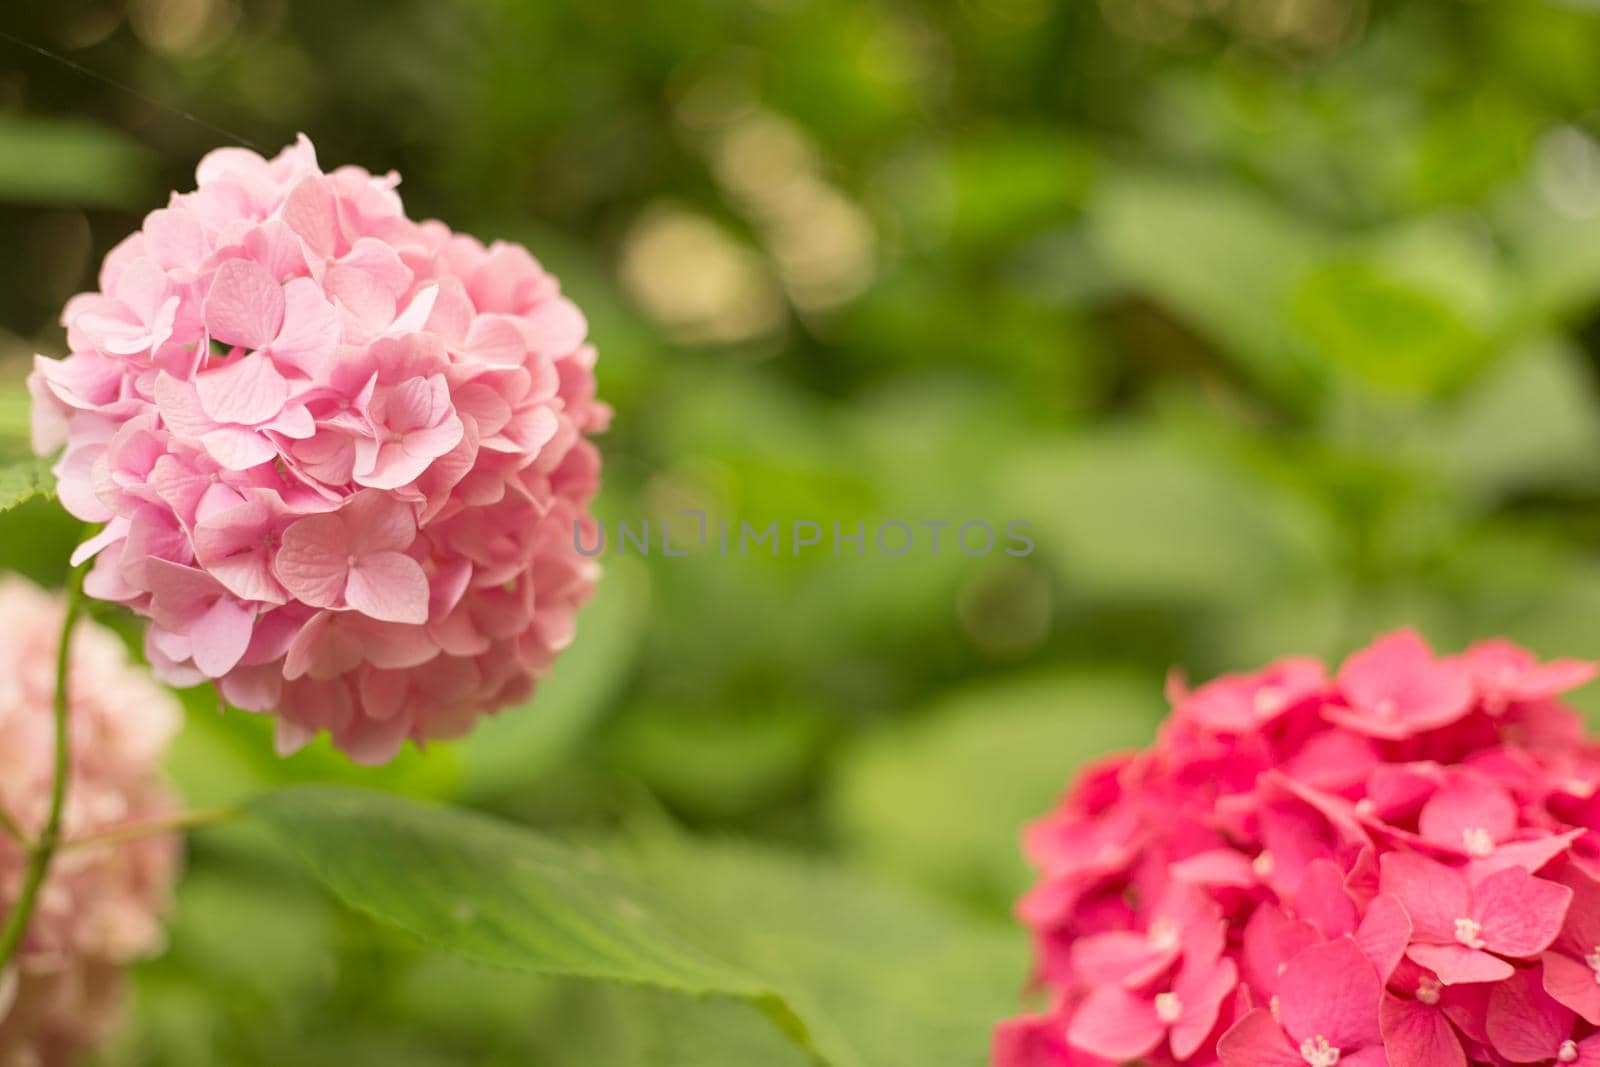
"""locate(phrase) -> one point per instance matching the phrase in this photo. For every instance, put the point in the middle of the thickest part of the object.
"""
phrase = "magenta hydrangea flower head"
(102, 905)
(1392, 863)
(339, 454)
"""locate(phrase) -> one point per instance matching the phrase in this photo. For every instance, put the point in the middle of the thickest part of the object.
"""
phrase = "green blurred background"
(1278, 319)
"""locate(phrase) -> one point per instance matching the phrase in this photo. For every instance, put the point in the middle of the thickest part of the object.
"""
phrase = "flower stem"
(182, 820)
(12, 828)
(43, 849)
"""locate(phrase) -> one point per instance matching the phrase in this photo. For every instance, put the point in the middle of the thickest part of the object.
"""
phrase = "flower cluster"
(339, 454)
(1398, 864)
(101, 905)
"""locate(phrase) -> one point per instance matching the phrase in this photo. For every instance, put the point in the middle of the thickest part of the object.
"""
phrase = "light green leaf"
(1532, 423)
(498, 894)
(15, 412)
(23, 481)
(1386, 331)
(1133, 513)
(70, 162)
(927, 802)
(1222, 259)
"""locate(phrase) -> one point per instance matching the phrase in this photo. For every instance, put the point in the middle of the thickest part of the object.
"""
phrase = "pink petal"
(1573, 983)
(1524, 1024)
(238, 448)
(322, 649)
(1417, 1035)
(1115, 1024)
(1397, 688)
(310, 212)
(496, 339)
(294, 422)
(244, 391)
(389, 586)
(1201, 988)
(180, 594)
(179, 406)
(313, 560)
(1257, 1041)
(1434, 896)
(248, 575)
(1384, 932)
(431, 443)
(378, 523)
(1122, 956)
(1271, 940)
(310, 331)
(1322, 901)
(371, 742)
(397, 646)
(1521, 914)
(1331, 990)
(409, 405)
(244, 305)
(556, 327)
(1215, 867)
(277, 248)
(385, 466)
(1468, 804)
(1034, 1041)
(220, 636)
(1460, 965)
(1531, 855)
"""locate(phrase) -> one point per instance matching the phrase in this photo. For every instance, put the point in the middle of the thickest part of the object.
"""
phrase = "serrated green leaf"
(883, 977)
(856, 973)
(24, 481)
(495, 893)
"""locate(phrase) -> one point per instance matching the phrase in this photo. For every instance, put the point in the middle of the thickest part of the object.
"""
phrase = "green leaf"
(505, 1018)
(883, 977)
(498, 894)
(70, 162)
(1135, 513)
(15, 414)
(1222, 259)
(1529, 424)
(24, 481)
(858, 974)
(1389, 333)
(927, 802)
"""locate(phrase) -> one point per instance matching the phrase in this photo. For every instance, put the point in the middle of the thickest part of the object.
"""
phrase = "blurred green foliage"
(1278, 319)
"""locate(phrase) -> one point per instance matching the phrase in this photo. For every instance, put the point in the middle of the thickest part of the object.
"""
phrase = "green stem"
(44, 847)
(12, 828)
(183, 820)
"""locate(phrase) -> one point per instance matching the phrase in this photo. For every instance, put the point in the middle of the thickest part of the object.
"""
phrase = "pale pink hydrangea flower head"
(102, 905)
(339, 454)
(1395, 863)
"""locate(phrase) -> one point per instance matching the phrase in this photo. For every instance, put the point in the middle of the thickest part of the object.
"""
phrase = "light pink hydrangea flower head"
(1391, 864)
(101, 906)
(338, 454)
